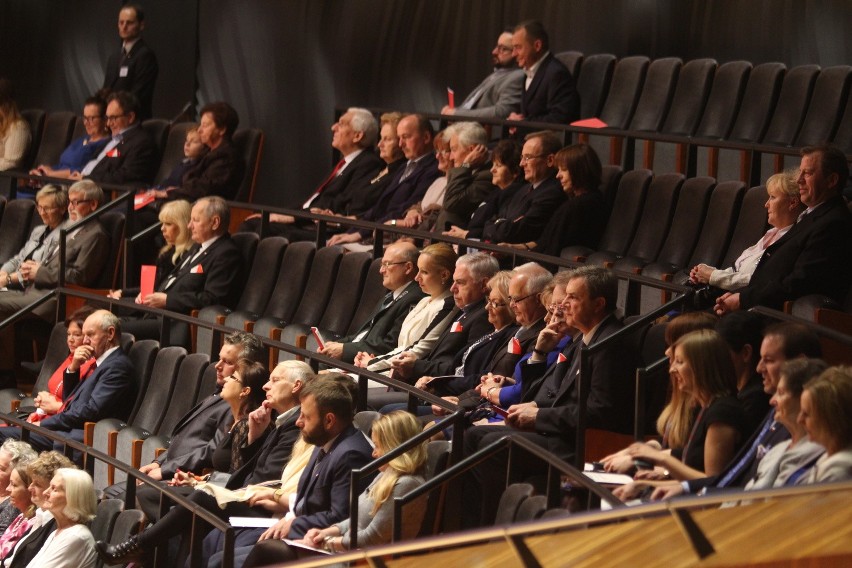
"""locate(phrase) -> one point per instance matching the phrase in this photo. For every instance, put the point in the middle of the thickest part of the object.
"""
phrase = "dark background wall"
(285, 64)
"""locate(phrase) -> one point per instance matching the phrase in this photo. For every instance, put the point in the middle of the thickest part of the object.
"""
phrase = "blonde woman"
(174, 216)
(375, 505)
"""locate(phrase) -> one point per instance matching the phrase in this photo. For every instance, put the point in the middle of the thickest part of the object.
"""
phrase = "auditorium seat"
(249, 143)
(113, 223)
(843, 136)
(158, 130)
(128, 523)
(788, 116)
(35, 118)
(104, 521)
(15, 227)
(682, 118)
(753, 116)
(142, 354)
(55, 353)
(593, 83)
(627, 80)
(573, 61)
(510, 502)
(255, 296)
(623, 218)
(712, 243)
(173, 150)
(290, 282)
(313, 301)
(531, 509)
(208, 381)
(610, 178)
(341, 306)
(56, 135)
(189, 378)
(371, 295)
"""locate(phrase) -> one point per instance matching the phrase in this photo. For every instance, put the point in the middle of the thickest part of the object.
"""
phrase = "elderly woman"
(71, 500)
(51, 204)
(783, 208)
(48, 402)
(12, 452)
(82, 149)
(429, 317)
(14, 130)
(220, 170)
(40, 471)
(375, 505)
(582, 218)
(824, 413)
(506, 174)
(174, 217)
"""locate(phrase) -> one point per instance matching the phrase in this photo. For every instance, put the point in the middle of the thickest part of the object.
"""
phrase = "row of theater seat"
(52, 132)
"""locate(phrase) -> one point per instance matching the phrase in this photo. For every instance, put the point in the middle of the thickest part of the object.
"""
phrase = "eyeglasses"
(388, 264)
(493, 304)
(233, 378)
(88, 119)
(516, 301)
(115, 116)
(76, 202)
(42, 209)
(503, 48)
(530, 158)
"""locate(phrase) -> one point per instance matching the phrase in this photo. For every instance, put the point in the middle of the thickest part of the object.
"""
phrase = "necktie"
(324, 184)
(38, 246)
(73, 393)
(409, 168)
(749, 456)
(474, 345)
(300, 503)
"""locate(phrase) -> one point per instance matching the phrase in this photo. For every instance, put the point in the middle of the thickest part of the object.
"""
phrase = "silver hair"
(296, 370)
(479, 264)
(363, 121)
(21, 452)
(469, 133)
(537, 277)
(89, 189)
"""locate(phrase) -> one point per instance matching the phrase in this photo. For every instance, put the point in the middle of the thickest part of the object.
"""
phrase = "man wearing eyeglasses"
(130, 157)
(499, 94)
(533, 204)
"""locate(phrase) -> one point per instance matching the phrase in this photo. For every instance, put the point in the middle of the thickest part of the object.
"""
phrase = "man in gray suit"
(500, 93)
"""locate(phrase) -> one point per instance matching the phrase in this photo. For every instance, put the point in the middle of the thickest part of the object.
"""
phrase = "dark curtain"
(286, 64)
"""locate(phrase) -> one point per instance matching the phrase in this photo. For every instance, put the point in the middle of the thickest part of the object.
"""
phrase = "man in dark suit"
(198, 433)
(130, 157)
(379, 334)
(211, 273)
(550, 94)
(532, 206)
(133, 68)
(548, 415)
(354, 135)
(109, 392)
(266, 453)
(499, 94)
(814, 256)
(409, 184)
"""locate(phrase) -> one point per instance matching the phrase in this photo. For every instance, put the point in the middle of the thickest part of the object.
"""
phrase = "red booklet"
(149, 274)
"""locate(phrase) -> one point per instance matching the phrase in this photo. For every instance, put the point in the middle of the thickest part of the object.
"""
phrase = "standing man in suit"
(354, 135)
(266, 453)
(133, 68)
(212, 273)
(130, 157)
(379, 334)
(533, 204)
(197, 434)
(550, 94)
(548, 414)
(409, 184)
(499, 94)
(109, 392)
(814, 256)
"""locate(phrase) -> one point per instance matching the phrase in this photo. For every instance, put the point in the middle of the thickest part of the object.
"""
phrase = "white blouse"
(73, 547)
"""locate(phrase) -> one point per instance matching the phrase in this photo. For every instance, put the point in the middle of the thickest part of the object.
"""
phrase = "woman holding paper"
(428, 319)
(375, 505)
(174, 217)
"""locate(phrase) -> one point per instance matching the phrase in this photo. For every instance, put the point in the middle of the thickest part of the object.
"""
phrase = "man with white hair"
(469, 178)
(354, 135)
(109, 392)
